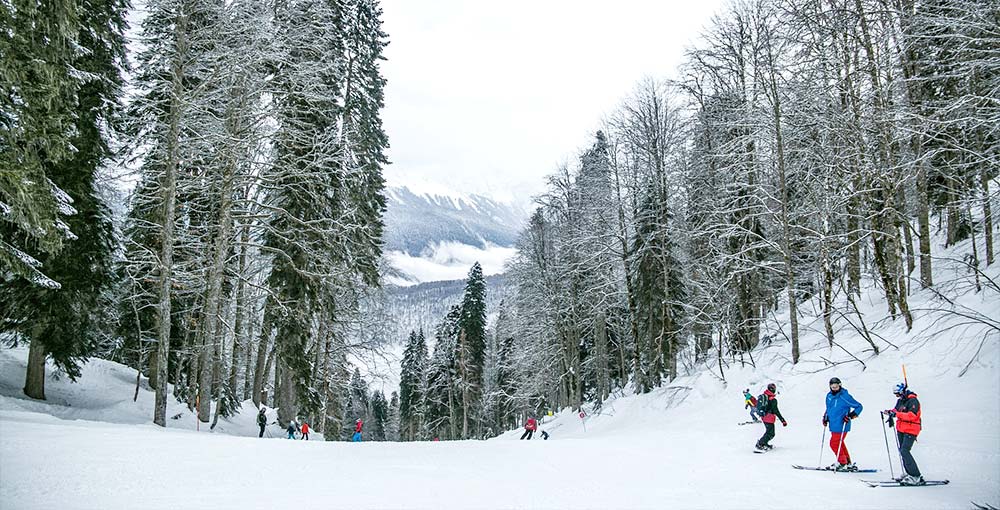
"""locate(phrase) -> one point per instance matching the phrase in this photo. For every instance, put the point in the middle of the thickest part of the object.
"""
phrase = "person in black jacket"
(262, 420)
(770, 413)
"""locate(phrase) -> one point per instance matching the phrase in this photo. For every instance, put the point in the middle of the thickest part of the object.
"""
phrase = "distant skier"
(529, 428)
(292, 429)
(841, 408)
(262, 420)
(770, 412)
(907, 414)
(357, 431)
(545, 435)
(751, 402)
(305, 431)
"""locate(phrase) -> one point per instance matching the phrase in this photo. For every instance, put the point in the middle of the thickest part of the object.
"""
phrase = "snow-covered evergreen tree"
(64, 322)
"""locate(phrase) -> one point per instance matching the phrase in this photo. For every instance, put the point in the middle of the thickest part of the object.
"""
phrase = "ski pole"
(841, 445)
(902, 466)
(887, 453)
(822, 443)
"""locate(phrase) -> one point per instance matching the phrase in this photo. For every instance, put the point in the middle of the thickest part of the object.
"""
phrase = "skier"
(262, 420)
(292, 429)
(357, 431)
(545, 435)
(907, 414)
(770, 412)
(751, 402)
(529, 428)
(305, 431)
(841, 408)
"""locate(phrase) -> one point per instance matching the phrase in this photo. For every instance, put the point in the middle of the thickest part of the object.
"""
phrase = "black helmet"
(772, 387)
(834, 380)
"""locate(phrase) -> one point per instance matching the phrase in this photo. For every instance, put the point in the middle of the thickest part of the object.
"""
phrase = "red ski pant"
(839, 447)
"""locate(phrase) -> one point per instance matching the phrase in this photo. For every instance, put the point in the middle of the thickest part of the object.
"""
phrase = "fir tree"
(380, 417)
(392, 427)
(472, 348)
(411, 384)
(65, 323)
(39, 49)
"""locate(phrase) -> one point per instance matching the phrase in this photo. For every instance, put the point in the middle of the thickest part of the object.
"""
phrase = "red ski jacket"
(531, 425)
(771, 411)
(305, 428)
(357, 427)
(908, 414)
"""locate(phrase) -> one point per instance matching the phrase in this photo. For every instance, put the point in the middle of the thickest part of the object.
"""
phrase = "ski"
(755, 450)
(983, 507)
(748, 422)
(796, 466)
(893, 483)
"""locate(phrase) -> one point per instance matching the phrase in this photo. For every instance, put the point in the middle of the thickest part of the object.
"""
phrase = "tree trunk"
(260, 371)
(169, 195)
(34, 379)
(987, 214)
(154, 374)
(285, 394)
(924, 224)
(828, 300)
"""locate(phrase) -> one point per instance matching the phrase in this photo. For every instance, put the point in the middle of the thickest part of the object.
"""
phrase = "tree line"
(805, 149)
(251, 240)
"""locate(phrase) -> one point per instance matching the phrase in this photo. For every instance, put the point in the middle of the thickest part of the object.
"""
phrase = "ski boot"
(912, 480)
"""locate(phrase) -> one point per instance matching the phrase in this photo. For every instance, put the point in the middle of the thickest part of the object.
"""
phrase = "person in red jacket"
(305, 431)
(770, 413)
(357, 431)
(907, 414)
(529, 428)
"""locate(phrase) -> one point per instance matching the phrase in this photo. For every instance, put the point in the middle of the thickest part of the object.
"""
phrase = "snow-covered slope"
(676, 447)
(104, 393)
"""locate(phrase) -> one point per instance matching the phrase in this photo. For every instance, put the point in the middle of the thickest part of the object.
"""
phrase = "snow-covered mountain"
(435, 235)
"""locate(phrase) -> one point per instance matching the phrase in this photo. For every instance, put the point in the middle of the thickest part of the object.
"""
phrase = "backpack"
(762, 404)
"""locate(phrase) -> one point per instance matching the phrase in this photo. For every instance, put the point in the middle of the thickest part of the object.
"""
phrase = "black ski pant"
(527, 434)
(905, 443)
(768, 435)
(305, 436)
(261, 431)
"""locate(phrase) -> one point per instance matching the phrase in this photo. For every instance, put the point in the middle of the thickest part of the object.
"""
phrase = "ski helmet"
(899, 389)
(834, 380)
(772, 387)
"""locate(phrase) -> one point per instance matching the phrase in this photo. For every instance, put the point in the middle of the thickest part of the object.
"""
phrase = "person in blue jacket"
(841, 408)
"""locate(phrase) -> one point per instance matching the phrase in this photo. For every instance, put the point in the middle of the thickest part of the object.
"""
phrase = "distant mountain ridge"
(415, 222)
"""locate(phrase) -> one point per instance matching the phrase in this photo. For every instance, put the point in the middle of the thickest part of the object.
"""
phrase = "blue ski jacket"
(839, 405)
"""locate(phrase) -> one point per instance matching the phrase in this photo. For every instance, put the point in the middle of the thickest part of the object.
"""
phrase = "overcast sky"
(492, 96)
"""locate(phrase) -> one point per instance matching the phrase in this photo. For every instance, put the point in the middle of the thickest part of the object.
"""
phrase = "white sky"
(490, 97)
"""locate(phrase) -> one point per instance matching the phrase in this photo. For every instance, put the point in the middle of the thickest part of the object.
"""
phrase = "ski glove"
(784, 423)
(889, 412)
(826, 420)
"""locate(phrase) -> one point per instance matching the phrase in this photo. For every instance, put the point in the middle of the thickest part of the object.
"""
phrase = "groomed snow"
(677, 447)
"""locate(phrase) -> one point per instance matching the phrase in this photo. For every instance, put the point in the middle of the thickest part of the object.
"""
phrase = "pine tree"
(441, 394)
(65, 323)
(392, 427)
(472, 348)
(379, 416)
(411, 383)
(659, 289)
(39, 48)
